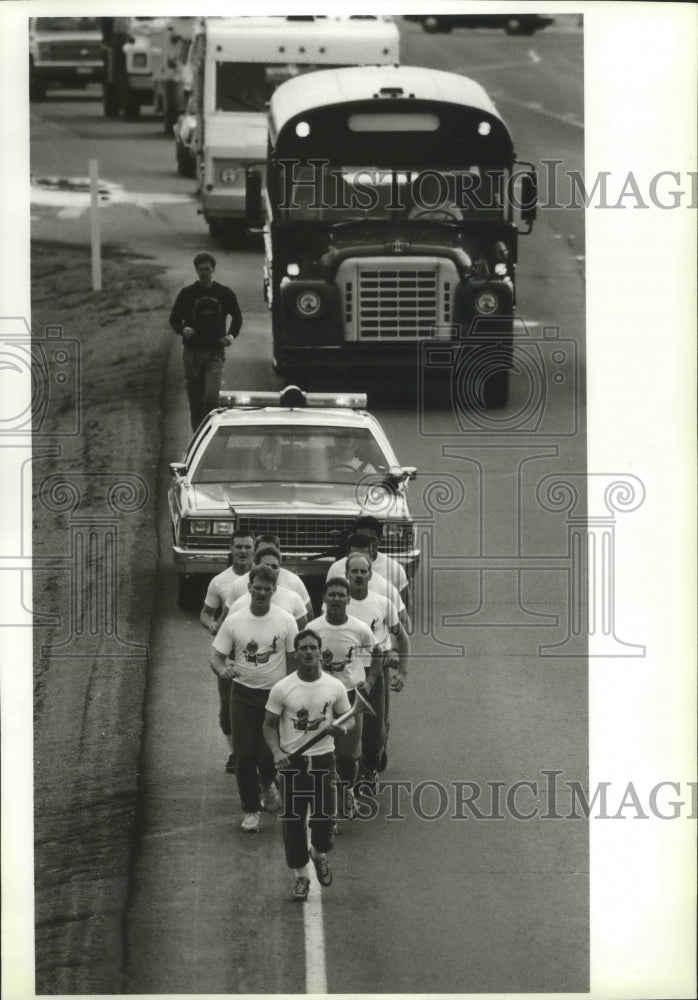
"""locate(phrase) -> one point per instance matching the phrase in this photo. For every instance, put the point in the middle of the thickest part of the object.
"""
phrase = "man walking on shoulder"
(300, 706)
(200, 317)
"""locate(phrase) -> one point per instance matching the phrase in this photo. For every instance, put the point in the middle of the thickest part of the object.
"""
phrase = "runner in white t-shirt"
(253, 650)
(286, 579)
(306, 702)
(214, 611)
(350, 653)
(390, 636)
(241, 549)
(377, 582)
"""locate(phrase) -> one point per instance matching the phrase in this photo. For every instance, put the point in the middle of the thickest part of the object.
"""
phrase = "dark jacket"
(206, 310)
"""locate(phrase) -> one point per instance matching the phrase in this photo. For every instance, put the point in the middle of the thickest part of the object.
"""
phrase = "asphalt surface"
(417, 905)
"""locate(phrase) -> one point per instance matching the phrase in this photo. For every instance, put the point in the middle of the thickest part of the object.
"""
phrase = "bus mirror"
(529, 198)
(253, 200)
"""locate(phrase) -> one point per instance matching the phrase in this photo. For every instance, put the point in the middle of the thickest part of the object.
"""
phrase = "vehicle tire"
(131, 106)
(37, 88)
(188, 592)
(496, 390)
(232, 233)
(110, 100)
(184, 168)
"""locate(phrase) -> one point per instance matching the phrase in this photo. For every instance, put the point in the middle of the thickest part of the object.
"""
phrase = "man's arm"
(177, 316)
(235, 315)
(210, 618)
(270, 731)
(221, 666)
(402, 648)
(375, 666)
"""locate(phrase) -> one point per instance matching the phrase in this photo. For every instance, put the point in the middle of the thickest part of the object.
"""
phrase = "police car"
(299, 465)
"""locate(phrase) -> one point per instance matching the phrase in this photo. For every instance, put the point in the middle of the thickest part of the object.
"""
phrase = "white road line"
(314, 930)
(533, 56)
(569, 118)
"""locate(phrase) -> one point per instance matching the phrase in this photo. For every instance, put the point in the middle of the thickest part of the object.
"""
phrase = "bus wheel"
(232, 233)
(131, 106)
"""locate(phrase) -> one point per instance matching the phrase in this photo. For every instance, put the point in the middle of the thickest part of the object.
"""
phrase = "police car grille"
(299, 534)
(397, 304)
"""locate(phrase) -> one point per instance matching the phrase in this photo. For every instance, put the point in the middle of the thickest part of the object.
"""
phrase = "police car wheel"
(188, 592)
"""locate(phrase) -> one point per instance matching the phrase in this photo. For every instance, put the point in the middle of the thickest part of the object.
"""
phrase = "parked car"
(66, 51)
(513, 24)
(299, 465)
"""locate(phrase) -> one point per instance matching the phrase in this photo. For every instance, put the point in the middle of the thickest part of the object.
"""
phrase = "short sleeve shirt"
(378, 583)
(306, 707)
(219, 588)
(257, 645)
(289, 600)
(286, 579)
(346, 649)
(379, 614)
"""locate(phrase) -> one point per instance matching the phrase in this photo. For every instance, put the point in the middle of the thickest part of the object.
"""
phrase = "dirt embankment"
(95, 552)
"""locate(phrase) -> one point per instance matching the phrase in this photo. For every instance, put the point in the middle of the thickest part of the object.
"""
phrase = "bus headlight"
(228, 175)
(308, 303)
(486, 302)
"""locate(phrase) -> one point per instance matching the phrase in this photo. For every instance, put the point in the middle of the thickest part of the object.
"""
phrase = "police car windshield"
(289, 455)
(336, 193)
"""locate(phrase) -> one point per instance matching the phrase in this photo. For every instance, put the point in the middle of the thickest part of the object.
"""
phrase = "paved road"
(419, 905)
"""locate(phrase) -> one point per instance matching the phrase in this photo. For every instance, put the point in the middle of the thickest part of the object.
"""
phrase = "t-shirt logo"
(207, 313)
(252, 654)
(304, 724)
(335, 666)
(373, 624)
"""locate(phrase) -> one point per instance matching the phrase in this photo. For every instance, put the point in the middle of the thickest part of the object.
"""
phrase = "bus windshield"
(334, 193)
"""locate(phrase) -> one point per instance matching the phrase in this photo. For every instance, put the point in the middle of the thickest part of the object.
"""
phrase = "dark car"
(513, 24)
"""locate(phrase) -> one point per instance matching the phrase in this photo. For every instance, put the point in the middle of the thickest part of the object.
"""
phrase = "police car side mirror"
(177, 469)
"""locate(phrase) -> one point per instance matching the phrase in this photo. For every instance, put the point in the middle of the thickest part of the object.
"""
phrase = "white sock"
(316, 854)
(302, 872)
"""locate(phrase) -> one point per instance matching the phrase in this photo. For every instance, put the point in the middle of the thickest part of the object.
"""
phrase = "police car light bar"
(292, 396)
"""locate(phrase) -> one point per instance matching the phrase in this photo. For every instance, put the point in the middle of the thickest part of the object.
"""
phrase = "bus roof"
(324, 40)
(361, 83)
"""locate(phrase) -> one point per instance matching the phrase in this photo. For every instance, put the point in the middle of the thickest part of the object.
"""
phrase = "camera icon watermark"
(40, 381)
(498, 381)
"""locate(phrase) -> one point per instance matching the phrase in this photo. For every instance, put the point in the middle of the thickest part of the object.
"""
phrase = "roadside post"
(94, 227)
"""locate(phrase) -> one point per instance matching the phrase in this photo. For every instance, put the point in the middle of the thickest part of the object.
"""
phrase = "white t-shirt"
(219, 588)
(304, 708)
(378, 583)
(388, 567)
(281, 598)
(285, 579)
(257, 645)
(346, 649)
(379, 614)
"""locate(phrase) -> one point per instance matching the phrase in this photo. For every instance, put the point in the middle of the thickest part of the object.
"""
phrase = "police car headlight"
(228, 175)
(308, 303)
(140, 60)
(223, 527)
(486, 302)
(199, 527)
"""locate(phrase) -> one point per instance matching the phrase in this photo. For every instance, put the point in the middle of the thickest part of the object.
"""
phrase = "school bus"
(391, 206)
